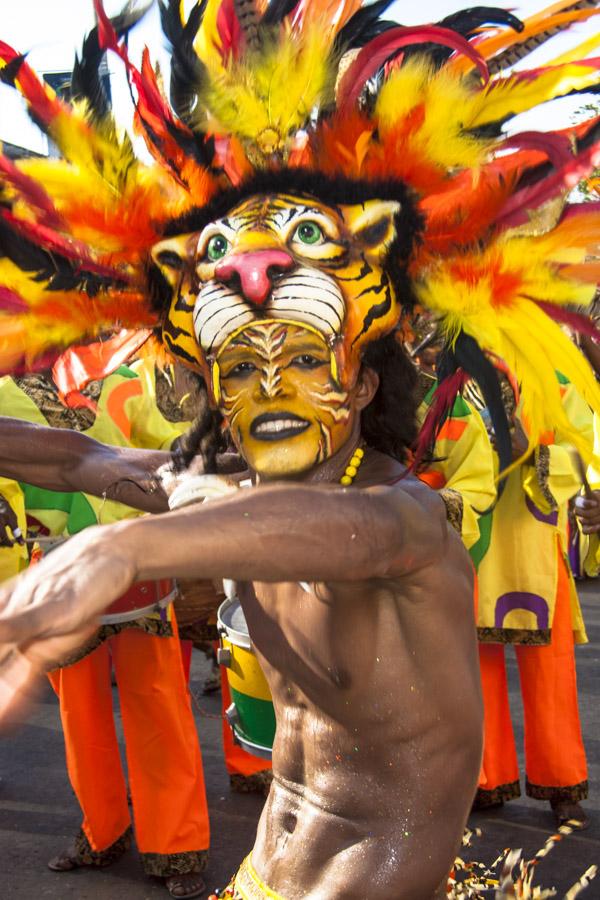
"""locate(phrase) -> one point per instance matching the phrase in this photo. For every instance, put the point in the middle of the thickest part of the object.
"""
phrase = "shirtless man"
(359, 801)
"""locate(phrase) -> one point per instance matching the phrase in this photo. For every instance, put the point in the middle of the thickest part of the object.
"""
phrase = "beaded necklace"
(352, 468)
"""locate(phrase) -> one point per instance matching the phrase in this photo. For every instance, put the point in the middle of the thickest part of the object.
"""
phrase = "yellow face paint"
(285, 411)
(334, 279)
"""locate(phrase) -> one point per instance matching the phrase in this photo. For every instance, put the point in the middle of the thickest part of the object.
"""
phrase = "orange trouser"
(163, 754)
(554, 752)
(237, 761)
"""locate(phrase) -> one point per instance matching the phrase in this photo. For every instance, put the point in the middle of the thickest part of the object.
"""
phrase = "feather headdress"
(333, 89)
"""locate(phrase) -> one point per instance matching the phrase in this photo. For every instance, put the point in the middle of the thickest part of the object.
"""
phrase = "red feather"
(515, 210)
(68, 247)
(443, 400)
(25, 365)
(556, 147)
(41, 98)
(578, 209)
(577, 322)
(230, 32)
(32, 192)
(532, 74)
(153, 113)
(11, 302)
(377, 52)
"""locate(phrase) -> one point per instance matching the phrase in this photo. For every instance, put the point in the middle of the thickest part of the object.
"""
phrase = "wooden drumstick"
(582, 472)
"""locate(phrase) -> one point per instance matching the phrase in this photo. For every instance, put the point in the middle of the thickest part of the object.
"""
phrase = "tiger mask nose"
(255, 272)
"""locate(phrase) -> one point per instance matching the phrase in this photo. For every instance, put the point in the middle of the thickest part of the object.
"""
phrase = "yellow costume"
(13, 559)
(589, 546)
(164, 763)
(517, 552)
(527, 597)
(462, 468)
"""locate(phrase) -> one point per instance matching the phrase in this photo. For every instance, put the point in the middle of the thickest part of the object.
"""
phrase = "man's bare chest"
(318, 642)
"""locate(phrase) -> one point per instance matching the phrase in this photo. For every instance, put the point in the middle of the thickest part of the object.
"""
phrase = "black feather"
(467, 354)
(466, 22)
(60, 273)
(187, 69)
(10, 72)
(363, 26)
(85, 78)
(277, 11)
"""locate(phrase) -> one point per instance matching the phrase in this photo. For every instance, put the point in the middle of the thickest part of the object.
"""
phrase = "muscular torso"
(378, 745)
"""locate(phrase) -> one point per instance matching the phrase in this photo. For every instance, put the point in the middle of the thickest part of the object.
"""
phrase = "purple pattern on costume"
(574, 555)
(548, 518)
(533, 603)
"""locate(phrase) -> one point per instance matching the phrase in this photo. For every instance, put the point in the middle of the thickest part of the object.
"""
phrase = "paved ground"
(38, 812)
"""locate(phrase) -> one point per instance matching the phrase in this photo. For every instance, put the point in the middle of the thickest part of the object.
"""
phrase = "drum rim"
(237, 638)
(249, 746)
(141, 612)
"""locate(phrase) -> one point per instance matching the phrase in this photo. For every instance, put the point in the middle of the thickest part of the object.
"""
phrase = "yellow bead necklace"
(352, 468)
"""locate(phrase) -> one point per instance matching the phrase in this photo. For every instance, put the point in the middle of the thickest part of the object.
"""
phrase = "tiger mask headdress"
(332, 260)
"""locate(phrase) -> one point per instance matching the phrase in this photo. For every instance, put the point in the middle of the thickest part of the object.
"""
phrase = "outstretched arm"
(292, 533)
(62, 460)
(278, 533)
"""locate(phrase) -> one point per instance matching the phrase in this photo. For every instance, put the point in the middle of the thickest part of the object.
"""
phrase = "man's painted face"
(285, 411)
(284, 257)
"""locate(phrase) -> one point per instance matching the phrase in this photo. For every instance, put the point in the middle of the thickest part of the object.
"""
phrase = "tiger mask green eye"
(309, 233)
(217, 247)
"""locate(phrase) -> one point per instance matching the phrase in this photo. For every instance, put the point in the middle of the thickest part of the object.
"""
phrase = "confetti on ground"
(509, 877)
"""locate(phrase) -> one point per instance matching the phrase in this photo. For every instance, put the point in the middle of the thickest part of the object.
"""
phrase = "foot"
(568, 813)
(258, 783)
(70, 859)
(483, 800)
(191, 884)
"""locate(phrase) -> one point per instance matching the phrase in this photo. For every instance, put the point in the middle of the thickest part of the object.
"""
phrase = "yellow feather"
(207, 43)
(508, 96)
(275, 89)
(581, 51)
(462, 293)
(444, 102)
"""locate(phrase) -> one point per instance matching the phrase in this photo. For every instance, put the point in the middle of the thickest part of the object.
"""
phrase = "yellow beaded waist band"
(250, 887)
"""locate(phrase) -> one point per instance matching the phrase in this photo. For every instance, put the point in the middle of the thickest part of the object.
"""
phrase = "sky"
(52, 30)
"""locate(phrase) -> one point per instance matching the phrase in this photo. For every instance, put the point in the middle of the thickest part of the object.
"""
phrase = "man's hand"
(587, 510)
(10, 533)
(49, 611)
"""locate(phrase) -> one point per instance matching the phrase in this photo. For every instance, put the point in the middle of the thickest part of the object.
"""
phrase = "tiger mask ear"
(174, 260)
(174, 256)
(372, 226)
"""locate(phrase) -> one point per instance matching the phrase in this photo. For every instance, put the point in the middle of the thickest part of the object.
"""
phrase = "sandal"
(258, 783)
(80, 855)
(184, 886)
(69, 860)
(571, 814)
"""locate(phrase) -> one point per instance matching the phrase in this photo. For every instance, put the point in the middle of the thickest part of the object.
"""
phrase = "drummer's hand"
(10, 533)
(49, 611)
(587, 510)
